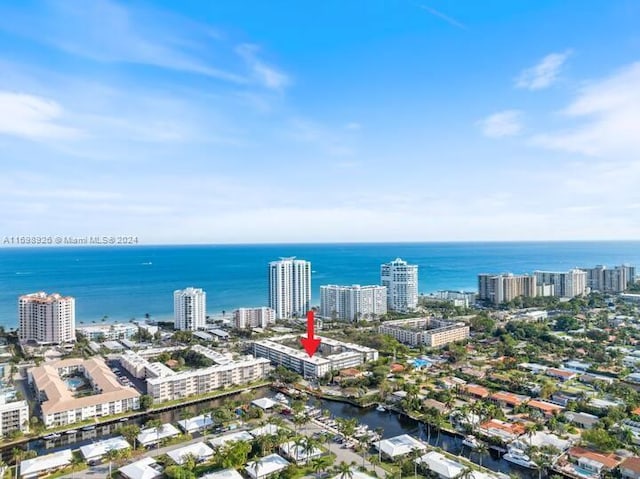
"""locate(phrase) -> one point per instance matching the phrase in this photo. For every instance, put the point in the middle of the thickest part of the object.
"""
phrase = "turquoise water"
(74, 383)
(127, 282)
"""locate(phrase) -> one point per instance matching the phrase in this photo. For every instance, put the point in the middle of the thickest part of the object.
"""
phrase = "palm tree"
(111, 455)
(17, 454)
(309, 447)
(481, 449)
(344, 471)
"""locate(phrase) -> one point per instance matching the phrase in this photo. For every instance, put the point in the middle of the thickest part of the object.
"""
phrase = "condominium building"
(332, 355)
(462, 299)
(566, 284)
(610, 280)
(47, 319)
(247, 318)
(108, 332)
(164, 384)
(290, 287)
(14, 416)
(189, 309)
(502, 288)
(56, 382)
(401, 281)
(353, 303)
(431, 332)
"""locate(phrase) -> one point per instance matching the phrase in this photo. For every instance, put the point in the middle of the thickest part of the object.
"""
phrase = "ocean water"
(127, 282)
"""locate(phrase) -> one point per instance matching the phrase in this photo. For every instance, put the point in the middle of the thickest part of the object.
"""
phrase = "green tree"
(130, 433)
(179, 472)
(146, 402)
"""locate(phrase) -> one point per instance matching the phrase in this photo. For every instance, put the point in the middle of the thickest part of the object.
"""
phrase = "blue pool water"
(74, 383)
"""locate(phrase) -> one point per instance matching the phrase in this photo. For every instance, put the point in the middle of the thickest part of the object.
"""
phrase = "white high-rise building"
(245, 318)
(566, 284)
(502, 288)
(47, 319)
(353, 303)
(401, 280)
(290, 287)
(189, 309)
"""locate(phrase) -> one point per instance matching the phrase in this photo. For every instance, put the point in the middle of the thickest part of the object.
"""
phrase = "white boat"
(381, 408)
(471, 441)
(518, 456)
(71, 431)
(88, 428)
(48, 437)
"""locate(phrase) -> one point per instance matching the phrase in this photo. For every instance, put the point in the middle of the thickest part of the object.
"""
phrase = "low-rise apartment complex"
(332, 355)
(14, 416)
(76, 389)
(431, 332)
(164, 384)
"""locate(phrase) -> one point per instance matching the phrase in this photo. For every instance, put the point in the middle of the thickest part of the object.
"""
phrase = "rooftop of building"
(60, 398)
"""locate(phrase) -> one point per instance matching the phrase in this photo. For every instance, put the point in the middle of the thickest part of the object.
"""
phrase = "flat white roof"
(441, 464)
(298, 453)
(199, 450)
(234, 436)
(37, 465)
(266, 466)
(152, 435)
(266, 430)
(399, 445)
(100, 448)
(264, 403)
(224, 474)
(195, 423)
(141, 469)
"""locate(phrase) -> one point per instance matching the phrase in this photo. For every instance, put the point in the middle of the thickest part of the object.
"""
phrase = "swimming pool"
(74, 383)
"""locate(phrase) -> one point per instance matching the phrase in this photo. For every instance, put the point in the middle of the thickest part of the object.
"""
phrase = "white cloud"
(32, 117)
(353, 125)
(442, 16)
(544, 74)
(502, 123)
(267, 75)
(607, 113)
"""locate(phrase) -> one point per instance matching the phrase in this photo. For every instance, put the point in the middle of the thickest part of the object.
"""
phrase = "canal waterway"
(391, 423)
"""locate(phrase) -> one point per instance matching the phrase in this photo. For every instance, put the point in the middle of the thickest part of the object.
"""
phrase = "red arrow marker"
(310, 344)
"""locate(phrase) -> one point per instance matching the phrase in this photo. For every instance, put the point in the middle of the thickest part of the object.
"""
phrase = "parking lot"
(125, 378)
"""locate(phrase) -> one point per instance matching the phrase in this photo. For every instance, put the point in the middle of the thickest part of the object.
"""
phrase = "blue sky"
(237, 121)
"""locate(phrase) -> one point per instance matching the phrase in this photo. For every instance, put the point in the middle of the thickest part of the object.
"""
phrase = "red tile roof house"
(561, 374)
(507, 431)
(593, 461)
(504, 398)
(475, 391)
(546, 408)
(630, 468)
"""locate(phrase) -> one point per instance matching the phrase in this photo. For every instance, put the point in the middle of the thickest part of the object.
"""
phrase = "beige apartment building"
(47, 318)
(58, 402)
(431, 332)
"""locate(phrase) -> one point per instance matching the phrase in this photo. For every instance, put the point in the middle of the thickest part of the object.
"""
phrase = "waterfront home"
(593, 462)
(452, 382)
(507, 399)
(441, 465)
(534, 368)
(433, 404)
(298, 453)
(581, 419)
(266, 466)
(95, 451)
(546, 408)
(630, 468)
(475, 391)
(234, 436)
(507, 431)
(577, 365)
(153, 435)
(604, 404)
(562, 398)
(399, 446)
(197, 423)
(31, 468)
(145, 468)
(265, 404)
(199, 450)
